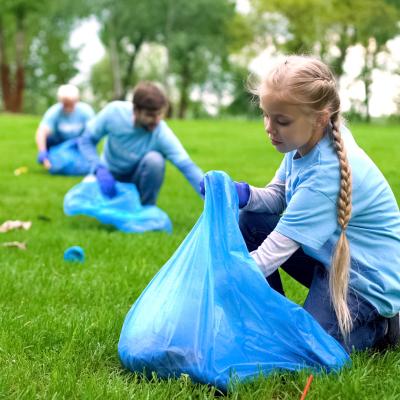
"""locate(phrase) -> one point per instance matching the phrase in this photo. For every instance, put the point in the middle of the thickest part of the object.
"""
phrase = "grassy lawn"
(60, 322)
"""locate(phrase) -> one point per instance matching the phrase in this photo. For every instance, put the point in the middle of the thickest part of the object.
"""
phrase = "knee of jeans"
(252, 223)
(154, 160)
(248, 224)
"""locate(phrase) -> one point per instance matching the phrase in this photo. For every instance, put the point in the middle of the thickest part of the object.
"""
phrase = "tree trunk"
(367, 83)
(185, 84)
(116, 69)
(371, 51)
(343, 46)
(127, 81)
(19, 59)
(4, 72)
(13, 94)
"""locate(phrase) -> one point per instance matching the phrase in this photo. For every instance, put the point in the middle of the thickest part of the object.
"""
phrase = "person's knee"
(246, 222)
(154, 160)
(255, 227)
(252, 222)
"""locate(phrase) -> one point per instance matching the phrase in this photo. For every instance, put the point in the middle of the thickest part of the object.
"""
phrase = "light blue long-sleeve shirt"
(127, 143)
(65, 126)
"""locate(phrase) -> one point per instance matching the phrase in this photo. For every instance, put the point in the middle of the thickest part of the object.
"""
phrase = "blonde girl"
(328, 217)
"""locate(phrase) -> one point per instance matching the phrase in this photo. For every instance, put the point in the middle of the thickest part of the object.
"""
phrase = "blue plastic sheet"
(66, 159)
(124, 211)
(210, 313)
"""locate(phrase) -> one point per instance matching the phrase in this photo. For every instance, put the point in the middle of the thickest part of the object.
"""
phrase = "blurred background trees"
(202, 51)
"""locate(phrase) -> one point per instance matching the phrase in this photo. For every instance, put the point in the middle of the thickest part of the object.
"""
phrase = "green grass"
(60, 322)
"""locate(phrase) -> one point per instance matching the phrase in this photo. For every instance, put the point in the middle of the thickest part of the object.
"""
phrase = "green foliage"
(101, 82)
(307, 21)
(314, 26)
(198, 37)
(36, 37)
(51, 64)
(244, 104)
(126, 26)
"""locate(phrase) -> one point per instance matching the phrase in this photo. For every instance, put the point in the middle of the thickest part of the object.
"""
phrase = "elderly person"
(63, 121)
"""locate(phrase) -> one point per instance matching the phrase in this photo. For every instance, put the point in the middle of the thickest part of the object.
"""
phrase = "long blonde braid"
(339, 274)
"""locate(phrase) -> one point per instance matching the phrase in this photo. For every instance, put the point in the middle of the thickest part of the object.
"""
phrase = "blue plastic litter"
(74, 254)
(66, 159)
(124, 211)
(210, 313)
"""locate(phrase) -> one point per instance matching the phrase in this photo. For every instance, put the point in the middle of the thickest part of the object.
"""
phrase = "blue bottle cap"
(74, 254)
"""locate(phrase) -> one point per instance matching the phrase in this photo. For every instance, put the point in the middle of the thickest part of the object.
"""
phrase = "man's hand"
(106, 181)
(43, 158)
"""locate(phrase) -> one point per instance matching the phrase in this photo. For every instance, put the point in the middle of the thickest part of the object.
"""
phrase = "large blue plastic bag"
(124, 211)
(66, 159)
(210, 313)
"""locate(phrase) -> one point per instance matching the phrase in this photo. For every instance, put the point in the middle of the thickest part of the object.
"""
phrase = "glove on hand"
(242, 189)
(106, 181)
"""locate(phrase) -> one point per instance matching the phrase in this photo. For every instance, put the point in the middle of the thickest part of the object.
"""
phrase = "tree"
(15, 18)
(376, 23)
(51, 62)
(196, 35)
(318, 27)
(22, 23)
(126, 26)
(306, 22)
(101, 81)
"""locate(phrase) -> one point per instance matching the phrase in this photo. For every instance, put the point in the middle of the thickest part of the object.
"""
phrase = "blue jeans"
(368, 326)
(148, 177)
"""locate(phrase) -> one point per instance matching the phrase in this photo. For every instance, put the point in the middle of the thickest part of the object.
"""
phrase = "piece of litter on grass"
(307, 387)
(10, 225)
(74, 254)
(21, 170)
(19, 245)
(45, 218)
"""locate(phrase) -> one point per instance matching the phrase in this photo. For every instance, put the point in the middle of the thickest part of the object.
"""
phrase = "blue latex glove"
(106, 181)
(242, 189)
(42, 155)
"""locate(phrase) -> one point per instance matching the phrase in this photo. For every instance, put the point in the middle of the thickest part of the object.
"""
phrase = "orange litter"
(308, 384)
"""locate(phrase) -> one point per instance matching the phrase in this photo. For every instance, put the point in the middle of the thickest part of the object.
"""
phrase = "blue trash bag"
(66, 159)
(124, 211)
(210, 313)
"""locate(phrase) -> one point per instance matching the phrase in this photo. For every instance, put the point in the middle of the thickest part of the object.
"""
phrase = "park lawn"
(60, 322)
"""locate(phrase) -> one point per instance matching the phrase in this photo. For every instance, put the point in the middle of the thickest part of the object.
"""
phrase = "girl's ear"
(323, 118)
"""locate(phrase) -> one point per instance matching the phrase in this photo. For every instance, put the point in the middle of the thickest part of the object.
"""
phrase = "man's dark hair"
(148, 96)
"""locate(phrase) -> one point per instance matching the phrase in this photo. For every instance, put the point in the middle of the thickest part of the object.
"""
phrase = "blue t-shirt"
(67, 126)
(310, 218)
(127, 143)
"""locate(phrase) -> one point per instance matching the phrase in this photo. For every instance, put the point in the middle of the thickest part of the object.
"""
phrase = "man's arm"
(191, 172)
(41, 137)
(46, 128)
(173, 150)
(42, 133)
(95, 130)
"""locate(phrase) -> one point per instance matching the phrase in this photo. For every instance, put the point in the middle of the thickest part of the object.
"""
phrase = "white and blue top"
(311, 185)
(127, 143)
(66, 126)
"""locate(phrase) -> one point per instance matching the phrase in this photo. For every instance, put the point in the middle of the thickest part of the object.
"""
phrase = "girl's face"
(290, 127)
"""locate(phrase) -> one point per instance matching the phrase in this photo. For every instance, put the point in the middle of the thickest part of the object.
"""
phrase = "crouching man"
(138, 143)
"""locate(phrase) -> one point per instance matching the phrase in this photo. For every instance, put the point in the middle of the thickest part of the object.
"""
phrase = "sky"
(385, 87)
